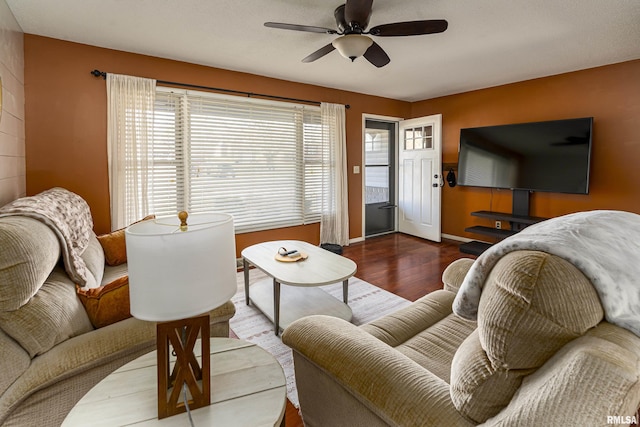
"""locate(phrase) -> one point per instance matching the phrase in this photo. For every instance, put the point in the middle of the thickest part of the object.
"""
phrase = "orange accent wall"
(66, 120)
(609, 94)
(66, 127)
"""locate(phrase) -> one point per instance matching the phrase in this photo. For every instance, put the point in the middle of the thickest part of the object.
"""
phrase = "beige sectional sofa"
(50, 352)
(540, 354)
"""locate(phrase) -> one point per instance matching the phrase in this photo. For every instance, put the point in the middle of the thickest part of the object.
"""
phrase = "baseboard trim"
(462, 239)
(443, 235)
(456, 238)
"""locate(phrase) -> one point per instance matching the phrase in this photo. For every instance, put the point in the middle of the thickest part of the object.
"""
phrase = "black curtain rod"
(103, 74)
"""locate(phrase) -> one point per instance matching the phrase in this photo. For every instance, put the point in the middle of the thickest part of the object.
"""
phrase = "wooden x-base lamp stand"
(182, 336)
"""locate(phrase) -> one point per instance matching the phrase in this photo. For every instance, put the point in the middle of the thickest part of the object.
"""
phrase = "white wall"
(12, 157)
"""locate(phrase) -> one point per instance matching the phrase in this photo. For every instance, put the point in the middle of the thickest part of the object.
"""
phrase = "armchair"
(540, 353)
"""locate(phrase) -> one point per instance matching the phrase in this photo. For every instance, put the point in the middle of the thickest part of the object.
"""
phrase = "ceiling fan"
(352, 19)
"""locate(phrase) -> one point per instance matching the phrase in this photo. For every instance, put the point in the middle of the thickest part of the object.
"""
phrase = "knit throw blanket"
(603, 245)
(68, 215)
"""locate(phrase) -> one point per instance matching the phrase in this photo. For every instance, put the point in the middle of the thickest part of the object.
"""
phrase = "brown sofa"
(540, 354)
(51, 354)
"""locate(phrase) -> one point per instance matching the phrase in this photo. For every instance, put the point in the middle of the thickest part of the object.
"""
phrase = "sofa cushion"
(113, 273)
(114, 245)
(434, 348)
(51, 316)
(534, 297)
(107, 304)
(426, 331)
(69, 217)
(532, 304)
(15, 361)
(80, 363)
(396, 328)
(115, 249)
(479, 387)
(30, 250)
(93, 257)
(599, 367)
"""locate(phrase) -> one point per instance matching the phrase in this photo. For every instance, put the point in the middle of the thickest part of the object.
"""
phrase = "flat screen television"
(551, 156)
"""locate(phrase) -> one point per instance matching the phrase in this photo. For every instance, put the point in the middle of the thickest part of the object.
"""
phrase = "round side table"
(248, 388)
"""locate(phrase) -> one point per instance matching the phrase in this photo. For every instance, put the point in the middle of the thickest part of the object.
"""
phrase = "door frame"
(396, 121)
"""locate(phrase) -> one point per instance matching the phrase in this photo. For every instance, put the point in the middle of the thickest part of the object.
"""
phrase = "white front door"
(419, 177)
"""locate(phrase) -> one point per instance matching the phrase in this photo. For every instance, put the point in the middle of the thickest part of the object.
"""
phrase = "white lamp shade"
(352, 46)
(176, 274)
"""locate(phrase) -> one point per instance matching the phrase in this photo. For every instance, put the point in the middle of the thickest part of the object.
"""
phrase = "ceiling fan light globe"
(352, 46)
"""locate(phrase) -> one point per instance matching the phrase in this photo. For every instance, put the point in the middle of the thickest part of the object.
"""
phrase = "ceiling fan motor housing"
(349, 27)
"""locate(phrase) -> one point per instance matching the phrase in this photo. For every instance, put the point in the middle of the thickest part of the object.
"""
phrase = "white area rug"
(368, 302)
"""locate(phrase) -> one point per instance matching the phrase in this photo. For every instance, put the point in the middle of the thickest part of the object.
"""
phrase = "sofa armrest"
(455, 272)
(384, 381)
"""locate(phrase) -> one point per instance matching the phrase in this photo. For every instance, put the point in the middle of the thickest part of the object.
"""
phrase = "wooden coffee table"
(248, 388)
(302, 297)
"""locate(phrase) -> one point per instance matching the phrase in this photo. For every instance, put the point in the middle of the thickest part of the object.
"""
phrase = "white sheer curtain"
(334, 222)
(130, 103)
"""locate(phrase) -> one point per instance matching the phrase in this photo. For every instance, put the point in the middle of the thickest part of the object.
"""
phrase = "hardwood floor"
(405, 265)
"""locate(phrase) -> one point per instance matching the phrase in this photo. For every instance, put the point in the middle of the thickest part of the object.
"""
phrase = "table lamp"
(178, 271)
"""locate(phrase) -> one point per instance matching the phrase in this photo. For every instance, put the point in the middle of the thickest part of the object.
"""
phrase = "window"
(260, 161)
(419, 138)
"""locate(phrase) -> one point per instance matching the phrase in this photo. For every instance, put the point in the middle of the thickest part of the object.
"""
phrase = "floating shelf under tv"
(517, 222)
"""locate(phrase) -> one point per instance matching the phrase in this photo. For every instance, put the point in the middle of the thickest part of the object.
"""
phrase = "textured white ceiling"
(488, 42)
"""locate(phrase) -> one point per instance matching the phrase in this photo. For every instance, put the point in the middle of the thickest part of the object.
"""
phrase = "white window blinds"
(256, 160)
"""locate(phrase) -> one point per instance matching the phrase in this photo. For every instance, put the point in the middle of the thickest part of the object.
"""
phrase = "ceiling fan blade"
(295, 27)
(319, 53)
(376, 55)
(341, 22)
(358, 11)
(411, 28)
